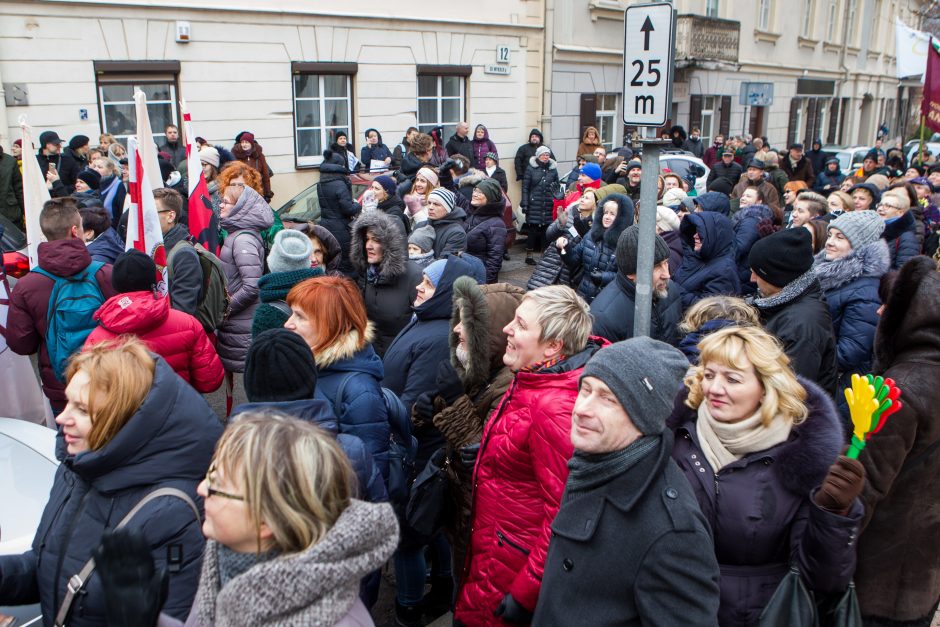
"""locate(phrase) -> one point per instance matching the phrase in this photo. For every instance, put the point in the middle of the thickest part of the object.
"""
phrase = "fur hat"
(628, 245)
(445, 197)
(783, 257)
(133, 271)
(859, 227)
(291, 251)
(423, 238)
(591, 170)
(210, 155)
(490, 189)
(429, 174)
(387, 183)
(666, 219)
(279, 367)
(673, 197)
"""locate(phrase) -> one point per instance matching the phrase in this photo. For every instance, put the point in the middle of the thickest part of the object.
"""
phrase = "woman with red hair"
(329, 314)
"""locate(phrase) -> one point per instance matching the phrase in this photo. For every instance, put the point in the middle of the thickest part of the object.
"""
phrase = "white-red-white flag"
(203, 224)
(143, 222)
(146, 146)
(35, 194)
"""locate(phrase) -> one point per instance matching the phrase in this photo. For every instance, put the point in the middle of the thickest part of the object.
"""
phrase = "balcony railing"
(701, 40)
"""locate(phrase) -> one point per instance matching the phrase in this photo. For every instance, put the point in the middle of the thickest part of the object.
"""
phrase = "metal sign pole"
(649, 188)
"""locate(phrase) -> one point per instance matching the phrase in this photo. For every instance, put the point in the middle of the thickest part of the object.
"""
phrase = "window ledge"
(874, 55)
(853, 50)
(606, 10)
(767, 36)
(830, 47)
(806, 42)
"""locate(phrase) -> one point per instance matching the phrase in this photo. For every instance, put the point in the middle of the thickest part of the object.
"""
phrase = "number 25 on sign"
(648, 51)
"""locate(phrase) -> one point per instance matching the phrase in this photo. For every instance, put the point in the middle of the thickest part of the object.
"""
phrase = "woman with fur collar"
(760, 448)
(849, 269)
(387, 278)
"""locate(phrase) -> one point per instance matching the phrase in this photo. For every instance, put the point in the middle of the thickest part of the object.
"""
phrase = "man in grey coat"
(629, 545)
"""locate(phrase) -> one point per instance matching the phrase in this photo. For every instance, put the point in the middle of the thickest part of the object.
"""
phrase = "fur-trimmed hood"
(911, 316)
(623, 220)
(394, 247)
(471, 178)
(801, 462)
(345, 348)
(870, 260)
(552, 164)
(483, 310)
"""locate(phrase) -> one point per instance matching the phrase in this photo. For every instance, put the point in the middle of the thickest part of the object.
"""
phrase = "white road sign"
(648, 48)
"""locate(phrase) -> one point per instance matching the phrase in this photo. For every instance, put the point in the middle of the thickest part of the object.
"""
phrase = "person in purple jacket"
(480, 145)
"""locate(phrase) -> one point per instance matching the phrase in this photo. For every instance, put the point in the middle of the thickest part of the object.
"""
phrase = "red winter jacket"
(176, 336)
(518, 482)
(29, 305)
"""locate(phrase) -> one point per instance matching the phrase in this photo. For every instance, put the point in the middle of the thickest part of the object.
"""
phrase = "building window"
(765, 11)
(711, 8)
(832, 21)
(877, 25)
(606, 118)
(322, 108)
(850, 19)
(809, 11)
(707, 123)
(441, 102)
(118, 80)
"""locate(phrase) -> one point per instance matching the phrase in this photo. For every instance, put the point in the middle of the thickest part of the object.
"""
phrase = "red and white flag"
(146, 146)
(35, 194)
(203, 223)
(143, 222)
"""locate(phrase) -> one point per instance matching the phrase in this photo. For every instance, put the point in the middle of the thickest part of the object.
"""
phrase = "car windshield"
(25, 480)
(11, 237)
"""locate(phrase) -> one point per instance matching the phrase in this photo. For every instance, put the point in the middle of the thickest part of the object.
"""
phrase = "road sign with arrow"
(648, 51)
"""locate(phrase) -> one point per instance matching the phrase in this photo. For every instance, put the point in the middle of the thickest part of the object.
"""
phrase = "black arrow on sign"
(647, 28)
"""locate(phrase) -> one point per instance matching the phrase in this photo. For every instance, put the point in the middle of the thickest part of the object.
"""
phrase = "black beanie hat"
(628, 244)
(78, 141)
(722, 185)
(91, 178)
(133, 271)
(279, 368)
(783, 257)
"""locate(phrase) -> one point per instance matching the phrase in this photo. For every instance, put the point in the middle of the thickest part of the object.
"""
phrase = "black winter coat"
(551, 268)
(459, 146)
(732, 172)
(388, 289)
(799, 317)
(761, 513)
(613, 311)
(11, 190)
(168, 442)
(337, 207)
(901, 237)
(67, 168)
(395, 207)
(711, 270)
(745, 222)
(538, 191)
(486, 237)
(596, 252)
(803, 171)
(526, 151)
(831, 180)
(450, 232)
(633, 551)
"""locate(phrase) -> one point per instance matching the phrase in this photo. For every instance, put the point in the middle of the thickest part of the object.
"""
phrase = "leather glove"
(468, 455)
(597, 277)
(449, 385)
(134, 589)
(511, 612)
(424, 406)
(447, 165)
(841, 486)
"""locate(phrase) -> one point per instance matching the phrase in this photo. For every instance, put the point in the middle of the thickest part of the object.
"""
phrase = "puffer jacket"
(177, 337)
(761, 512)
(745, 223)
(395, 207)
(850, 285)
(361, 411)
(274, 287)
(613, 312)
(711, 270)
(450, 233)
(731, 172)
(106, 247)
(242, 259)
(486, 237)
(551, 268)
(518, 482)
(596, 252)
(167, 442)
(337, 207)
(320, 412)
(539, 183)
(388, 289)
(901, 237)
(479, 147)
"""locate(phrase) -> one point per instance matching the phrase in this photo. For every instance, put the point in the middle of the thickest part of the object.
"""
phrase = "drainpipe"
(548, 42)
(842, 52)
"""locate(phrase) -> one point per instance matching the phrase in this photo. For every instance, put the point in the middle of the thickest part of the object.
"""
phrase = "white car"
(911, 148)
(27, 470)
(850, 157)
(684, 162)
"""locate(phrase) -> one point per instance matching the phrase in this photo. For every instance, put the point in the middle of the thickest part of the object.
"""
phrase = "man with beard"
(632, 173)
(173, 146)
(614, 307)
(754, 177)
(527, 151)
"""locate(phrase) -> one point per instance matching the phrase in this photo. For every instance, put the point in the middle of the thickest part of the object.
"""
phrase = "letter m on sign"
(645, 100)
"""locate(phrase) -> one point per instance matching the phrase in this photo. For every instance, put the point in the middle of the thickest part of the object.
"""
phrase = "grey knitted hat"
(645, 375)
(542, 150)
(859, 227)
(291, 251)
(629, 243)
(423, 238)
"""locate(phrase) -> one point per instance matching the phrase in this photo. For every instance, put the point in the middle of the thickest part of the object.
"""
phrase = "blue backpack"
(72, 305)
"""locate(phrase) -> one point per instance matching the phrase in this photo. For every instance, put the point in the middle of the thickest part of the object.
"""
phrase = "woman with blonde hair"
(131, 426)
(839, 202)
(713, 314)
(760, 448)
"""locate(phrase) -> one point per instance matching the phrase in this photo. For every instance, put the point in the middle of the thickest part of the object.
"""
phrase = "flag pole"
(923, 129)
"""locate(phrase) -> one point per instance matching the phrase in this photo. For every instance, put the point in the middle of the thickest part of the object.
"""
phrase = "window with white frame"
(322, 108)
(441, 102)
(809, 15)
(832, 21)
(117, 81)
(765, 9)
(877, 27)
(606, 119)
(711, 8)
(850, 19)
(707, 122)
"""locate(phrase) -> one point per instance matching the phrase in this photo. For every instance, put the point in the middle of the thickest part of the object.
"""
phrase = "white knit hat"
(291, 251)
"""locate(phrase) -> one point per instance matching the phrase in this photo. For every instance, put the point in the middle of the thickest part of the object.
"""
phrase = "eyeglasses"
(223, 201)
(887, 206)
(210, 491)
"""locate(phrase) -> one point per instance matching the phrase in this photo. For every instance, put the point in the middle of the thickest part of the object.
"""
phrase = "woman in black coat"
(389, 202)
(337, 207)
(760, 449)
(539, 185)
(486, 231)
(595, 254)
(131, 426)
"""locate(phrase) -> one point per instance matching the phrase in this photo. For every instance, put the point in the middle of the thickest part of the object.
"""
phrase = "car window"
(304, 207)
(843, 158)
(11, 237)
(679, 166)
(25, 480)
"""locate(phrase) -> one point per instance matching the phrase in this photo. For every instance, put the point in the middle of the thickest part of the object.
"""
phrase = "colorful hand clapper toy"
(871, 400)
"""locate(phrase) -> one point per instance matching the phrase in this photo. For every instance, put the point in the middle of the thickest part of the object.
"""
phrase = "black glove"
(511, 612)
(424, 406)
(449, 385)
(447, 165)
(597, 277)
(468, 455)
(134, 589)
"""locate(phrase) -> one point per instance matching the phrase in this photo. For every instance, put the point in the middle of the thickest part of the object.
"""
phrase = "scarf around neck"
(723, 443)
(233, 563)
(586, 470)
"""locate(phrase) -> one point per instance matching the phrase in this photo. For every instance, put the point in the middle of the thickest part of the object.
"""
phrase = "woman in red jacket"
(138, 310)
(522, 465)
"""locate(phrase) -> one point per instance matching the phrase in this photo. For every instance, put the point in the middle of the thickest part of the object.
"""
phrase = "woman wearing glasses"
(900, 231)
(131, 426)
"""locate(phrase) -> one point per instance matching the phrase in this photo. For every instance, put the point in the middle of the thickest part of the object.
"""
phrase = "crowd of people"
(516, 453)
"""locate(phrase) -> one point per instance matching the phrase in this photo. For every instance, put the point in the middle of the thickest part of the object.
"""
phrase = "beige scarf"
(723, 443)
